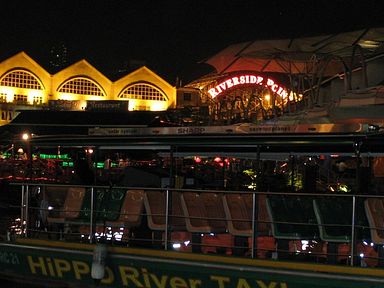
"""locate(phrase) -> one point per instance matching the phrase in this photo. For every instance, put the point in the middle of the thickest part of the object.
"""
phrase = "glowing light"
(267, 97)
(248, 79)
(369, 44)
(197, 159)
(25, 136)
(176, 245)
(67, 96)
(158, 105)
(217, 159)
(304, 245)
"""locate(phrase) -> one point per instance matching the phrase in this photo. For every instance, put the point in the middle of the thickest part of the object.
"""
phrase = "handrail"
(253, 221)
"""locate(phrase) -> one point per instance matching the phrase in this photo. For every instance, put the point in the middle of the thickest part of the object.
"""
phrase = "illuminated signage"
(248, 79)
(107, 105)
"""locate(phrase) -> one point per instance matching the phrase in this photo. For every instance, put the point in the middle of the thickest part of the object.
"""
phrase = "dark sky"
(170, 36)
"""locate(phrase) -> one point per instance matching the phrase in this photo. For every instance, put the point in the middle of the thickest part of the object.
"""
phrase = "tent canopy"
(298, 55)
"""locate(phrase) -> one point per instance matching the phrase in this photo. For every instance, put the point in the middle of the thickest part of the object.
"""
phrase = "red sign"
(248, 79)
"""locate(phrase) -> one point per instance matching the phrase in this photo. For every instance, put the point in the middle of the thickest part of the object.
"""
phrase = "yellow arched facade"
(145, 90)
(24, 84)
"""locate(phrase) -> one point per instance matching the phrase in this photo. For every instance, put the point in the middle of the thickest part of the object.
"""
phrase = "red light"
(197, 159)
(217, 159)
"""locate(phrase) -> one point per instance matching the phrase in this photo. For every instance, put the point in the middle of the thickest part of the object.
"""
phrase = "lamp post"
(26, 137)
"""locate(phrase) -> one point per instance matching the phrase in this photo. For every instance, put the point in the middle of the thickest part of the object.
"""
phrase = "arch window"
(143, 91)
(82, 86)
(21, 79)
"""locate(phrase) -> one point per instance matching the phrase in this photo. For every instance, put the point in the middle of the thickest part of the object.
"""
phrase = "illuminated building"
(25, 85)
(334, 78)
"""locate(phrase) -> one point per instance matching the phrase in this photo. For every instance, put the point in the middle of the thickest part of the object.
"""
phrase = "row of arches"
(24, 82)
(80, 86)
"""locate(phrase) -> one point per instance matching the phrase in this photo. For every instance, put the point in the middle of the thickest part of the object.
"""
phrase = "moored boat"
(230, 206)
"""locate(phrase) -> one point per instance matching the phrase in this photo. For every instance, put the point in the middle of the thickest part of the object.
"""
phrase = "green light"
(67, 164)
(53, 156)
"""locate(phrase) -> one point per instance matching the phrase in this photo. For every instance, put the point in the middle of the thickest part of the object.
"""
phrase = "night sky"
(172, 37)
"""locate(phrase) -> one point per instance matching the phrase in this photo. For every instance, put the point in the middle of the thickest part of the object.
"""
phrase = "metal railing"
(292, 218)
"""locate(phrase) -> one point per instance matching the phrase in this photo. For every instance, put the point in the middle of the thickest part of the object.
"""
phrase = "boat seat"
(85, 212)
(155, 205)
(213, 203)
(195, 213)
(111, 205)
(279, 214)
(264, 222)
(238, 216)
(83, 219)
(292, 217)
(107, 207)
(239, 210)
(177, 217)
(334, 218)
(71, 207)
(374, 208)
(131, 210)
(304, 214)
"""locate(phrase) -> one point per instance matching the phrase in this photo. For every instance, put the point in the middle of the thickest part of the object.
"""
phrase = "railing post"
(91, 217)
(353, 230)
(26, 215)
(22, 208)
(254, 224)
(166, 220)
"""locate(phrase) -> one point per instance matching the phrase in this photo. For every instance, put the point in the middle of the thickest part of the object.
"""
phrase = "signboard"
(230, 129)
(159, 269)
(248, 79)
(107, 105)
(64, 105)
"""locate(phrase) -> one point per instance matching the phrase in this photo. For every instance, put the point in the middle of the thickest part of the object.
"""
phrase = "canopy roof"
(49, 122)
(298, 55)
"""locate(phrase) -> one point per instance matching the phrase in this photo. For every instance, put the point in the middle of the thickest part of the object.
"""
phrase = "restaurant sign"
(107, 105)
(248, 79)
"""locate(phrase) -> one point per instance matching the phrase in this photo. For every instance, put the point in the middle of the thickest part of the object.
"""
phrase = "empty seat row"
(292, 218)
(188, 211)
(286, 217)
(114, 208)
(325, 218)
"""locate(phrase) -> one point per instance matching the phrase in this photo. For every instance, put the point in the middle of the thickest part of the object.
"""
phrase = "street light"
(26, 137)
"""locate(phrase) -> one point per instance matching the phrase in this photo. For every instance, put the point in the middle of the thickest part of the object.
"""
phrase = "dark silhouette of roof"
(48, 122)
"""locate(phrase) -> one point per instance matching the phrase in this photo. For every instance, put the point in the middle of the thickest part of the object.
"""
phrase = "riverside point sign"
(248, 79)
